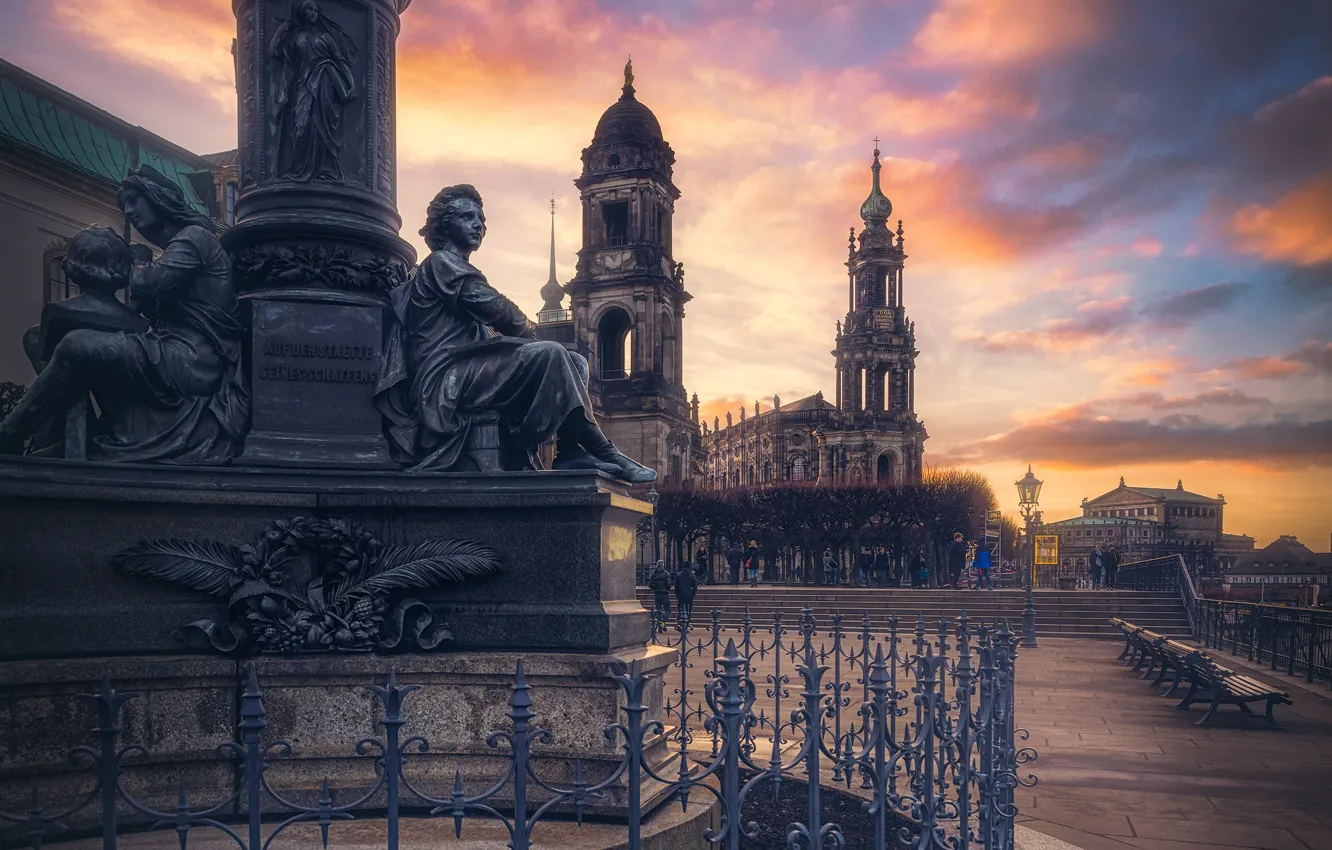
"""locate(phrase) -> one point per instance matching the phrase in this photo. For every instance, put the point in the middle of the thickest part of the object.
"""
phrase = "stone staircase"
(1059, 613)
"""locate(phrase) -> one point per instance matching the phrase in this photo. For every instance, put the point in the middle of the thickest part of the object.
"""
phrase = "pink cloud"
(1147, 246)
(1295, 229)
(1005, 32)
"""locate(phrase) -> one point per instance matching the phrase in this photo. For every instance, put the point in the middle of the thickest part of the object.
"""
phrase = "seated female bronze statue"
(459, 348)
(174, 392)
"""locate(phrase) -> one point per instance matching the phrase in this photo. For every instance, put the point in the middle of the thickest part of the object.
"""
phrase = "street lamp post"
(652, 497)
(1029, 492)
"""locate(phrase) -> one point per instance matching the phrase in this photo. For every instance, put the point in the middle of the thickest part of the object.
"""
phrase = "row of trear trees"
(792, 524)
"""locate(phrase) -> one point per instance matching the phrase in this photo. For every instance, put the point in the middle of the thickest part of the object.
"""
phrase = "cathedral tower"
(880, 437)
(627, 296)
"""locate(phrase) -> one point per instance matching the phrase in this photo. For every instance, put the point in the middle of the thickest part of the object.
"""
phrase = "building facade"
(1147, 522)
(871, 432)
(627, 297)
(1284, 571)
(61, 163)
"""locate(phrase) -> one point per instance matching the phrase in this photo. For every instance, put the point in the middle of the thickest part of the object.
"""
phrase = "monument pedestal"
(319, 705)
(313, 364)
(563, 602)
(566, 543)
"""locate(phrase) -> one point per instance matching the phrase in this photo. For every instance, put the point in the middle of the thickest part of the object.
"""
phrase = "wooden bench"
(1211, 682)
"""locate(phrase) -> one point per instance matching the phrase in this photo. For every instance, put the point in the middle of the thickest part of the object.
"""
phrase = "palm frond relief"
(355, 601)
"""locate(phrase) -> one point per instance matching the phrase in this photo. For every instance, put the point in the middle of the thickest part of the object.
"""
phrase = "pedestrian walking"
(957, 560)
(733, 558)
(920, 570)
(829, 568)
(983, 569)
(752, 563)
(659, 581)
(882, 566)
(864, 566)
(686, 585)
(701, 565)
(1096, 565)
(1111, 561)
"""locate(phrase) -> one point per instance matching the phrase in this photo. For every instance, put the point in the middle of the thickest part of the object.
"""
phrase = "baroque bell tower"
(879, 437)
(627, 296)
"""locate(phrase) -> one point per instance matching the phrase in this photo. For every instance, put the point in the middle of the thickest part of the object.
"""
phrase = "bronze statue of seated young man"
(460, 349)
(168, 389)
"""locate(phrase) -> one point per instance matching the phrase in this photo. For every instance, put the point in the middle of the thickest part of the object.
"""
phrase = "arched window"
(56, 287)
(798, 468)
(613, 160)
(883, 472)
(230, 192)
(767, 471)
(735, 478)
(615, 218)
(615, 344)
(886, 387)
(667, 348)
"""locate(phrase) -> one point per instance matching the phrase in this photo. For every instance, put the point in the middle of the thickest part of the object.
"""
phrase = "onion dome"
(877, 207)
(627, 120)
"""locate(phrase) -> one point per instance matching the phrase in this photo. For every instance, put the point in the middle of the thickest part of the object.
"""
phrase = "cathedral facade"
(626, 314)
(627, 297)
(870, 431)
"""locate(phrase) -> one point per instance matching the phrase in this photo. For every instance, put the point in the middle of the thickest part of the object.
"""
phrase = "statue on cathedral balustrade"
(164, 370)
(459, 350)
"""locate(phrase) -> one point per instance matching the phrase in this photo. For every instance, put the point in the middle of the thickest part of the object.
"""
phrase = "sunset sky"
(1118, 213)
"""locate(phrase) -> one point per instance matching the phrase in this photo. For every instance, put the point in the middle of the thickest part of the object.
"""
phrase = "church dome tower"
(876, 355)
(627, 296)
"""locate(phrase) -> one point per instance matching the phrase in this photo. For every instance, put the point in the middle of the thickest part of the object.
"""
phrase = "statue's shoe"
(581, 458)
(626, 468)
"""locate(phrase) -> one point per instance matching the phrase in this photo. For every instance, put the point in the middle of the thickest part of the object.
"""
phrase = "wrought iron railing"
(1296, 640)
(919, 723)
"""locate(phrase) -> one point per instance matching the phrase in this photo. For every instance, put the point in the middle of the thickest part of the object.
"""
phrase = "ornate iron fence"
(1296, 640)
(919, 723)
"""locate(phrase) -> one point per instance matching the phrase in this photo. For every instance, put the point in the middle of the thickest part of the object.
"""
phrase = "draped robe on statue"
(455, 351)
(177, 395)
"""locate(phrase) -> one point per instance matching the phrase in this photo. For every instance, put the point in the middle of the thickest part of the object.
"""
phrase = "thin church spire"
(552, 293)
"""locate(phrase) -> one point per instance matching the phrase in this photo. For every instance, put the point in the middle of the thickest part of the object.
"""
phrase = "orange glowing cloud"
(1312, 358)
(1003, 32)
(190, 39)
(1293, 230)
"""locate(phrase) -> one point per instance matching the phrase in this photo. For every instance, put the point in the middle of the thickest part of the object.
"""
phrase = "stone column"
(316, 249)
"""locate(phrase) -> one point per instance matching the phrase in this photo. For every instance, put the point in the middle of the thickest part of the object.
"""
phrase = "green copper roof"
(48, 121)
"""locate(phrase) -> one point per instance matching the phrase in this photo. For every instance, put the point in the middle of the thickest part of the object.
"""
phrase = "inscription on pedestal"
(314, 367)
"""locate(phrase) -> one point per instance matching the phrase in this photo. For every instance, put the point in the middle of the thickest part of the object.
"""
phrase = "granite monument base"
(313, 362)
(187, 705)
(566, 543)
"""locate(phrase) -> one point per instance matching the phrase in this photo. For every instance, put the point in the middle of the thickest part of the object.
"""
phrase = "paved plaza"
(1121, 768)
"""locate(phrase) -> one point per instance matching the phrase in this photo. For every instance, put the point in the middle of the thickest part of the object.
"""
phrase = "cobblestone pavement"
(1121, 768)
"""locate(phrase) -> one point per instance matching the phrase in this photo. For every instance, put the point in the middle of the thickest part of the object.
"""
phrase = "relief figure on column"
(312, 81)
(167, 389)
(459, 349)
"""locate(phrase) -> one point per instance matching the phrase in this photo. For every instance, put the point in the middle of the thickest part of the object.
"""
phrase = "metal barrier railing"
(931, 742)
